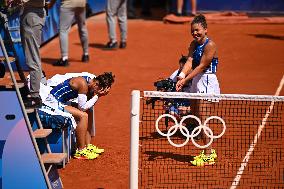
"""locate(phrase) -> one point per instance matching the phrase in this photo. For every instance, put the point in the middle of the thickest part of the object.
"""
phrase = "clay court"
(251, 62)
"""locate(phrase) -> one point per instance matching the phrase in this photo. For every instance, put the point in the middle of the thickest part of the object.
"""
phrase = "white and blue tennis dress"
(61, 94)
(205, 82)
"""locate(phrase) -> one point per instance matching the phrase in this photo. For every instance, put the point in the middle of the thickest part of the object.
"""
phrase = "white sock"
(65, 58)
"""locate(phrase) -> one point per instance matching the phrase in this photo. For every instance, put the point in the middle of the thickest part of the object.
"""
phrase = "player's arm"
(85, 104)
(186, 69)
(188, 65)
(208, 54)
(79, 84)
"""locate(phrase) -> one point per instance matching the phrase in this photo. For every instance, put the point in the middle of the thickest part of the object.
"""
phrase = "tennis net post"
(134, 140)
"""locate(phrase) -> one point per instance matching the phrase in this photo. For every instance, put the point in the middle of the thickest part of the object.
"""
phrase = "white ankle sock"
(65, 58)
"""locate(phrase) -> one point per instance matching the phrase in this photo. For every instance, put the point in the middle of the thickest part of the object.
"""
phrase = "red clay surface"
(251, 62)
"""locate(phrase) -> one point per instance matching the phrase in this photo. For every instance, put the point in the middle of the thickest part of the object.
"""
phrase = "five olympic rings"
(196, 131)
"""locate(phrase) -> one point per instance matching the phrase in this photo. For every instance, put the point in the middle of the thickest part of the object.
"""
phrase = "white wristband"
(182, 75)
(83, 104)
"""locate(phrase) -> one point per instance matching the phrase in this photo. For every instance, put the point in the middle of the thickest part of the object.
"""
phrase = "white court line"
(237, 179)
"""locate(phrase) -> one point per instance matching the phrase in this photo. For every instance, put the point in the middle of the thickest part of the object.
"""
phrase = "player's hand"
(179, 78)
(180, 84)
(102, 92)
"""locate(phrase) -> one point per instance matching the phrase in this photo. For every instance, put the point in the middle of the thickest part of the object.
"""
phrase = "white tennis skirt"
(205, 83)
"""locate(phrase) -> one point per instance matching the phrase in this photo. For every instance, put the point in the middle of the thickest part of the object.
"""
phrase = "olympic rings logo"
(196, 131)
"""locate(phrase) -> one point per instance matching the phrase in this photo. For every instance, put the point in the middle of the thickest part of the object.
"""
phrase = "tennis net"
(246, 131)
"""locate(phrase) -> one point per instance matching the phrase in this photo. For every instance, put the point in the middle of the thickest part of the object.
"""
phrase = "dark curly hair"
(200, 19)
(105, 80)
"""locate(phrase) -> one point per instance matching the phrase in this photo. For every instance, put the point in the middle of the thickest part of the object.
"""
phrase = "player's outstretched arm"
(186, 69)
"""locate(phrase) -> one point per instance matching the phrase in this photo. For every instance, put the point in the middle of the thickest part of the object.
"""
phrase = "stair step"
(42, 133)
(53, 157)
(11, 85)
(11, 59)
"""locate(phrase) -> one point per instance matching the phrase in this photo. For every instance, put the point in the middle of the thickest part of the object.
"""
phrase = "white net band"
(212, 96)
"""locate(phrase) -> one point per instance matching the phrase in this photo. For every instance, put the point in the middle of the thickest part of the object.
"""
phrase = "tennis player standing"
(201, 68)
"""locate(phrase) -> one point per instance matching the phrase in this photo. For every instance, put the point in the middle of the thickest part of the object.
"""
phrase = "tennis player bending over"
(88, 91)
(201, 68)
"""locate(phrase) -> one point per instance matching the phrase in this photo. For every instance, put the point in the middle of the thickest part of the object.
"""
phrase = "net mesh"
(248, 133)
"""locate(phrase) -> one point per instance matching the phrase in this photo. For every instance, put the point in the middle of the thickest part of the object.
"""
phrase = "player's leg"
(207, 156)
(92, 148)
(205, 83)
(82, 125)
(192, 123)
(204, 108)
(90, 127)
